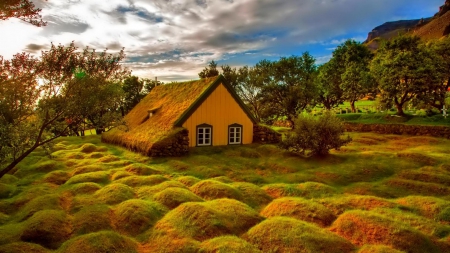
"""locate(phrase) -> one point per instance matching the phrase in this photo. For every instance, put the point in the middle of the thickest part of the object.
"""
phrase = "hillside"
(426, 28)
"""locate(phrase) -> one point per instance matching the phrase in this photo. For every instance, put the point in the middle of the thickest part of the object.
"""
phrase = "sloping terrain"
(381, 193)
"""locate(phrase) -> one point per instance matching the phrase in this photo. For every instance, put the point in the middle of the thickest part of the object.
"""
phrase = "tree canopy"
(22, 9)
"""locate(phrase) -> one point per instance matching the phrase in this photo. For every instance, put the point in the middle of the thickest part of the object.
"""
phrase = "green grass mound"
(109, 159)
(174, 196)
(316, 190)
(90, 148)
(135, 216)
(45, 202)
(254, 195)
(229, 244)
(114, 193)
(412, 187)
(6, 190)
(121, 174)
(222, 179)
(282, 234)
(211, 189)
(418, 158)
(57, 177)
(49, 228)
(141, 169)
(425, 176)
(300, 209)
(3, 218)
(92, 218)
(427, 226)
(378, 249)
(100, 242)
(339, 205)
(202, 221)
(96, 155)
(42, 166)
(444, 215)
(83, 188)
(136, 181)
(428, 207)
(280, 190)
(23, 196)
(87, 169)
(22, 247)
(11, 232)
(165, 243)
(8, 179)
(188, 180)
(99, 177)
(147, 192)
(366, 227)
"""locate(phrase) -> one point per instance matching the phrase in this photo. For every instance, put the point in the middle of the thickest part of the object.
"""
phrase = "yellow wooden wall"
(219, 110)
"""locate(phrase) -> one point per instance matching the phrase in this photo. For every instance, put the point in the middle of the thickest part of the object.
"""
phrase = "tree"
(350, 64)
(291, 88)
(231, 74)
(316, 135)
(328, 83)
(209, 71)
(35, 113)
(24, 10)
(132, 88)
(404, 68)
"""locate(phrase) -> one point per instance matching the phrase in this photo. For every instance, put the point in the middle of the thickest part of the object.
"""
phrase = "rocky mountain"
(426, 28)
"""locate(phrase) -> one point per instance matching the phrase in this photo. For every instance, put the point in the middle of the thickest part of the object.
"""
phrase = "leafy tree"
(291, 88)
(316, 135)
(209, 71)
(350, 64)
(405, 68)
(231, 74)
(329, 91)
(24, 10)
(132, 88)
(73, 86)
(149, 84)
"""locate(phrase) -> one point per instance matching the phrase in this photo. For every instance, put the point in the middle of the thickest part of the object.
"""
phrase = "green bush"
(315, 135)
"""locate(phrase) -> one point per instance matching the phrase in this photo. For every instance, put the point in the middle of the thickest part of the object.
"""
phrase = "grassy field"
(381, 193)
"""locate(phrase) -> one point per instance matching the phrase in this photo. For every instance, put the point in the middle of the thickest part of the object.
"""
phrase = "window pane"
(238, 129)
(200, 141)
(207, 130)
(206, 136)
(231, 135)
(200, 130)
(231, 129)
(200, 136)
(238, 140)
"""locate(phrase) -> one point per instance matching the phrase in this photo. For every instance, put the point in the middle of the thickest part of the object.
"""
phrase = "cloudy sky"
(175, 39)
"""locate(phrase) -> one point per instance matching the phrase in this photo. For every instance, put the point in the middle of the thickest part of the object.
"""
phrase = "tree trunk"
(99, 131)
(399, 109)
(352, 104)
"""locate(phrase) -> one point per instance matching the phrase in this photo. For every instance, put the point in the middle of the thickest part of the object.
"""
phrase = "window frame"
(235, 126)
(204, 126)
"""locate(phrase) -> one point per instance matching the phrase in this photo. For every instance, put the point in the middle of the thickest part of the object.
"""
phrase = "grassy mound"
(3, 218)
(229, 244)
(136, 181)
(121, 174)
(99, 177)
(339, 205)
(147, 192)
(411, 187)
(46, 202)
(174, 196)
(211, 189)
(92, 218)
(100, 242)
(42, 166)
(114, 194)
(141, 169)
(365, 227)
(316, 190)
(87, 169)
(254, 195)
(429, 207)
(135, 216)
(418, 158)
(282, 234)
(282, 190)
(58, 177)
(164, 244)
(378, 249)
(8, 179)
(300, 209)
(425, 176)
(83, 188)
(109, 159)
(22, 247)
(49, 228)
(202, 221)
(25, 195)
(188, 180)
(89, 148)
(6, 190)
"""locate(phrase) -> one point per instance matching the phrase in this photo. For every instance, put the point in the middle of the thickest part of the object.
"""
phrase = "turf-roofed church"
(176, 116)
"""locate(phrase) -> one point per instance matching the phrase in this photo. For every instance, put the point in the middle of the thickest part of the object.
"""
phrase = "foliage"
(316, 135)
(406, 70)
(329, 91)
(230, 74)
(209, 71)
(24, 10)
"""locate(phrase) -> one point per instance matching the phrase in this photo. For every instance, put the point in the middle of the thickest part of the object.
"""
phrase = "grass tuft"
(87, 169)
(91, 219)
(141, 169)
(340, 204)
(366, 227)
(57, 177)
(114, 193)
(22, 247)
(368, 248)
(211, 189)
(136, 181)
(229, 244)
(282, 234)
(135, 216)
(188, 180)
(254, 195)
(100, 242)
(300, 209)
(147, 192)
(174, 196)
(99, 177)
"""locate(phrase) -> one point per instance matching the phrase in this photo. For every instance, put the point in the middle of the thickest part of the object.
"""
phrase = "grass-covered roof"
(168, 103)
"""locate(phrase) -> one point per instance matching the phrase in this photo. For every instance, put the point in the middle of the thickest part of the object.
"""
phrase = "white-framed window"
(235, 134)
(204, 135)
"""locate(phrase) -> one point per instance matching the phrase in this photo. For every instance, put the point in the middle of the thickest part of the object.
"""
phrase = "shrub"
(316, 135)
